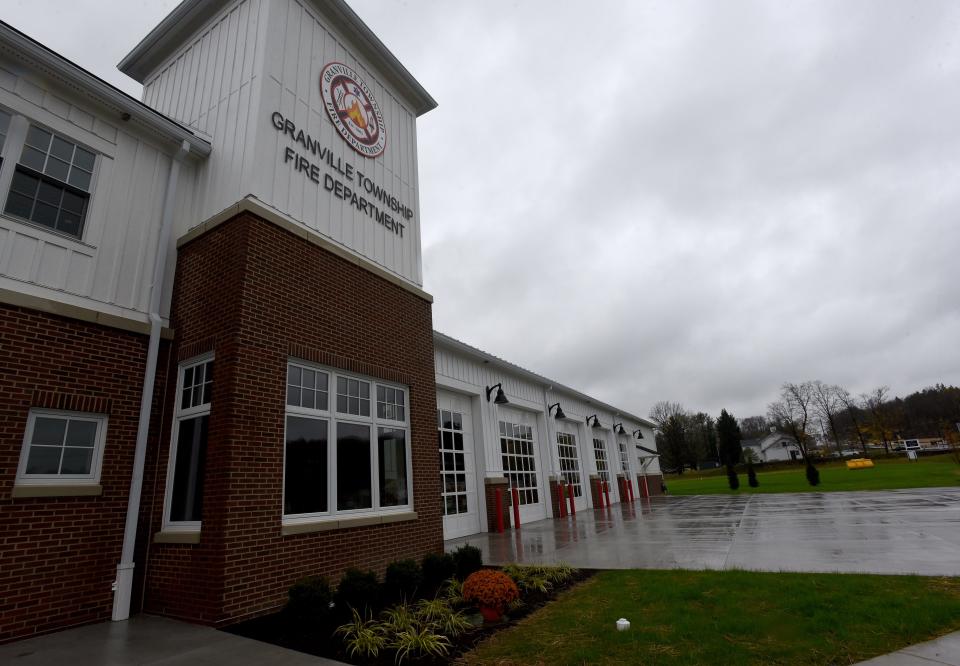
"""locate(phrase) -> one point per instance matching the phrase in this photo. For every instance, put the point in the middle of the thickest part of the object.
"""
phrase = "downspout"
(123, 585)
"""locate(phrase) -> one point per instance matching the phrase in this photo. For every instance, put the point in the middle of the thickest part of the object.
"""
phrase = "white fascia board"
(190, 15)
(443, 340)
(96, 88)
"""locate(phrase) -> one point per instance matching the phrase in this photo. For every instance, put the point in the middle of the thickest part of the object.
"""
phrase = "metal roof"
(453, 343)
(78, 78)
(190, 15)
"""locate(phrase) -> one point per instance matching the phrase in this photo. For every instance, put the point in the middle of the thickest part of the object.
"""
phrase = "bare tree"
(754, 426)
(827, 404)
(661, 412)
(793, 413)
(874, 402)
(850, 403)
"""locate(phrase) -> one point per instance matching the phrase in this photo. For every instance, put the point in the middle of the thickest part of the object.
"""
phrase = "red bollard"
(499, 495)
(573, 507)
(606, 492)
(516, 508)
(630, 491)
(646, 488)
(561, 501)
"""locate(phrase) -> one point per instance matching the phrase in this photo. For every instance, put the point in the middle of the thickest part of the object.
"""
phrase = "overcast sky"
(693, 201)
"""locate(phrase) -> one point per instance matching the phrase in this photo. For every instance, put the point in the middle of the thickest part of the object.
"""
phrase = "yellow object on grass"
(859, 463)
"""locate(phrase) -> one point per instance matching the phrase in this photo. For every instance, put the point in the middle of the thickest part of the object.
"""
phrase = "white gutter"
(123, 585)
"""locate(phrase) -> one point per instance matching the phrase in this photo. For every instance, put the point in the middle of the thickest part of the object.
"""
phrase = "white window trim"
(333, 418)
(180, 415)
(12, 150)
(96, 463)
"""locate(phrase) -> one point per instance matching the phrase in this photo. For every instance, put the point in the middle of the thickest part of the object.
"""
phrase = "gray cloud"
(671, 200)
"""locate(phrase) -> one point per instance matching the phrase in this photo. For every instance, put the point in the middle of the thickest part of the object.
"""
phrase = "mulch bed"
(320, 641)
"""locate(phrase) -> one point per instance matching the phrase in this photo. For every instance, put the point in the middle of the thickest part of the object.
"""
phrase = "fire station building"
(218, 369)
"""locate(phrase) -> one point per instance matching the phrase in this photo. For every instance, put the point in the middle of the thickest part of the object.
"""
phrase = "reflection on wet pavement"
(896, 531)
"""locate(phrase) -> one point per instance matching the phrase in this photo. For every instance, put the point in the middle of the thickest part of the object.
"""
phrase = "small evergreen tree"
(752, 476)
(728, 436)
(813, 475)
(732, 478)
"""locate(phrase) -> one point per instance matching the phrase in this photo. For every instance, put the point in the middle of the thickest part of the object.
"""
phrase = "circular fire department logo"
(353, 109)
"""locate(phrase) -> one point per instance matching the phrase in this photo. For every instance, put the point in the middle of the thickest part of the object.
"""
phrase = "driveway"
(913, 531)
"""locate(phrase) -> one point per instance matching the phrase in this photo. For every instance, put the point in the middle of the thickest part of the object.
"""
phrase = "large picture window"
(51, 182)
(341, 457)
(188, 448)
(62, 448)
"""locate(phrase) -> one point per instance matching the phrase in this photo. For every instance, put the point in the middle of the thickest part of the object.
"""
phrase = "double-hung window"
(347, 449)
(188, 448)
(51, 182)
(62, 448)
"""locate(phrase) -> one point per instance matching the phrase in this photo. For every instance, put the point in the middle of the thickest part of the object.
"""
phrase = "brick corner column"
(622, 489)
(490, 486)
(655, 482)
(595, 493)
(555, 496)
(642, 488)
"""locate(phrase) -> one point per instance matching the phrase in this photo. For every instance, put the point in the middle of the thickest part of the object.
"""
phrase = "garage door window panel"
(519, 463)
(600, 455)
(569, 462)
(453, 476)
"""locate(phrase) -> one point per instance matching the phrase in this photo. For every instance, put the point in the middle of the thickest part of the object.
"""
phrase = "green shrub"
(308, 600)
(453, 592)
(437, 568)
(358, 590)
(420, 642)
(398, 618)
(732, 479)
(813, 475)
(362, 637)
(402, 580)
(752, 476)
(467, 559)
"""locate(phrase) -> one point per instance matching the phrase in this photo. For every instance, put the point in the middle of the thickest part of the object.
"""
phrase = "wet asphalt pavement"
(915, 531)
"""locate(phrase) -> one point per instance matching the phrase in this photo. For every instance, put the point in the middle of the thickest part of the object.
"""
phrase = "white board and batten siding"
(468, 374)
(110, 268)
(256, 57)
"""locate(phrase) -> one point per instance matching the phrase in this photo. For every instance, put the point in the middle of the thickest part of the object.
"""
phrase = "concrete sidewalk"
(944, 650)
(147, 640)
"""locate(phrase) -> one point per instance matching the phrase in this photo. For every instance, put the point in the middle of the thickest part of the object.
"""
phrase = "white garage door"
(520, 453)
(458, 478)
(568, 450)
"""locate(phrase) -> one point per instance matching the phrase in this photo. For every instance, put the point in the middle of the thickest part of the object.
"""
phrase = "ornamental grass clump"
(490, 589)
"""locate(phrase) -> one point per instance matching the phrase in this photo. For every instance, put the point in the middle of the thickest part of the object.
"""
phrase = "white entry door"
(520, 454)
(458, 478)
(571, 468)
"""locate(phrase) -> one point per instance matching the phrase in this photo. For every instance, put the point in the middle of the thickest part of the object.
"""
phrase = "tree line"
(810, 412)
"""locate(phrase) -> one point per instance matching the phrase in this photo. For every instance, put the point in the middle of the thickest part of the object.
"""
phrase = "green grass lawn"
(929, 472)
(729, 617)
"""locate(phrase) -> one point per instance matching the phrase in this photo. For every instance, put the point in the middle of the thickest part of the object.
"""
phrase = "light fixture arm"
(491, 389)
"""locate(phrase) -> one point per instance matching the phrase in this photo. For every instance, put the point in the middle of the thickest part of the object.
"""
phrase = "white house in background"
(774, 447)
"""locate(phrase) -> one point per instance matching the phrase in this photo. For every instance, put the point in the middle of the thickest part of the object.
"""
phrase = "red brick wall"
(257, 295)
(58, 556)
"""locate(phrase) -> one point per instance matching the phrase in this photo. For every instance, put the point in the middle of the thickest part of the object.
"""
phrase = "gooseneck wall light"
(638, 433)
(596, 423)
(501, 399)
(559, 415)
(618, 428)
